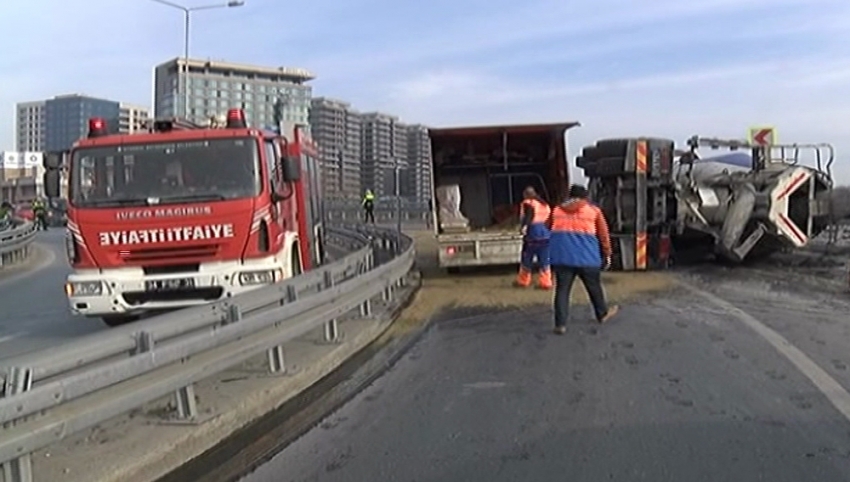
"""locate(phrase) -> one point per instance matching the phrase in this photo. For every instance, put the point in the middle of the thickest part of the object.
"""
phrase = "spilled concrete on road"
(493, 288)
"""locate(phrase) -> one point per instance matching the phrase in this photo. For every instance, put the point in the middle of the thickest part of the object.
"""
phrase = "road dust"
(493, 288)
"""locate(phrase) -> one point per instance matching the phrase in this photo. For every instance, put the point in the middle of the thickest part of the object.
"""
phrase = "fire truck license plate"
(169, 284)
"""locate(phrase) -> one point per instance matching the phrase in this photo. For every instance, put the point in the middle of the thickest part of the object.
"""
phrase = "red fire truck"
(186, 214)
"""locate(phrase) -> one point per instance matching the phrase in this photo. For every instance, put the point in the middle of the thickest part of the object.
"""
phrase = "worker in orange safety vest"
(534, 213)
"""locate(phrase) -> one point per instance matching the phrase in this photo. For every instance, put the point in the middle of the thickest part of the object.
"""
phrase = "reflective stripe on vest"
(580, 221)
(541, 210)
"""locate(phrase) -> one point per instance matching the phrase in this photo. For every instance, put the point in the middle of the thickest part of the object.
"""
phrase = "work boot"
(523, 279)
(544, 281)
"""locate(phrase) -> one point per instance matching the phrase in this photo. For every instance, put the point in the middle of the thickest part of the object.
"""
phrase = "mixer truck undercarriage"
(734, 207)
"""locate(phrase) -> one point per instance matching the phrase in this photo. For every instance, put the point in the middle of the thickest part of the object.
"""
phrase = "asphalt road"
(34, 311)
(743, 379)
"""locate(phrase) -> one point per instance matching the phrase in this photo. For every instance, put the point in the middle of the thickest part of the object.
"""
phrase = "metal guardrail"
(383, 215)
(54, 393)
(15, 242)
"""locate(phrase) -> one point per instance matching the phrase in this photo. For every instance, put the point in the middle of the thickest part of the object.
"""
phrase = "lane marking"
(834, 392)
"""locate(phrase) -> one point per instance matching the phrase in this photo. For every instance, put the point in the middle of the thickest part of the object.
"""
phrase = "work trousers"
(370, 214)
(592, 280)
(532, 249)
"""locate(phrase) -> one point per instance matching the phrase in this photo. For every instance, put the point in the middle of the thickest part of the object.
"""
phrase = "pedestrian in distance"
(579, 246)
(369, 206)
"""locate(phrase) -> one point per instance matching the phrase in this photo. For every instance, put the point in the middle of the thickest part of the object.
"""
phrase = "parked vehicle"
(186, 214)
(746, 204)
(479, 174)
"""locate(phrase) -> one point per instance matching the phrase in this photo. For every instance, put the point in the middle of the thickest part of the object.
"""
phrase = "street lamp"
(186, 14)
(398, 195)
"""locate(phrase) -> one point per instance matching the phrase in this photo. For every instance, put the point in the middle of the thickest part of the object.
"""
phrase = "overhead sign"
(762, 136)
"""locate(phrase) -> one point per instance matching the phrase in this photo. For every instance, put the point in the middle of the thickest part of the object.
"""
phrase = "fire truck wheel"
(118, 320)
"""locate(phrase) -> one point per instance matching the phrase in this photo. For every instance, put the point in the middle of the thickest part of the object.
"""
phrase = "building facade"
(268, 95)
(336, 129)
(21, 176)
(55, 124)
(66, 118)
(384, 150)
(417, 185)
(29, 126)
(132, 118)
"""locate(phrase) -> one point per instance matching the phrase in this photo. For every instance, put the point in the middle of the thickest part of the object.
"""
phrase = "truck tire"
(611, 166)
(613, 147)
(590, 153)
(589, 168)
(114, 321)
(581, 161)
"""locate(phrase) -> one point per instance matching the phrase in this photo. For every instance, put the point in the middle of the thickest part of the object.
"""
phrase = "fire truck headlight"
(247, 278)
(84, 288)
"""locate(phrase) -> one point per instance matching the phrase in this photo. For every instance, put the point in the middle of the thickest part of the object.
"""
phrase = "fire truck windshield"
(165, 173)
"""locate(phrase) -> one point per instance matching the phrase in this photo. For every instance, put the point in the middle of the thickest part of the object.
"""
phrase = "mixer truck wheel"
(581, 161)
(613, 147)
(611, 166)
(590, 153)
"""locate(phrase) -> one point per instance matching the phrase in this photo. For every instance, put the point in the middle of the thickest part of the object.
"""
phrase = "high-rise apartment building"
(266, 94)
(132, 118)
(418, 184)
(29, 126)
(66, 118)
(336, 129)
(384, 150)
(55, 124)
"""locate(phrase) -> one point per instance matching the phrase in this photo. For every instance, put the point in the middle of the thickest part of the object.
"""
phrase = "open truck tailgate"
(479, 249)
(479, 175)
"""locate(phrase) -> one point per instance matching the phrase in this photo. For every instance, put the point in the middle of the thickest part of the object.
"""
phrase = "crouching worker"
(535, 243)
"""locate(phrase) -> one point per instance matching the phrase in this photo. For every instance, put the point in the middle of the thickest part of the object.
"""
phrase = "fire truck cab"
(184, 214)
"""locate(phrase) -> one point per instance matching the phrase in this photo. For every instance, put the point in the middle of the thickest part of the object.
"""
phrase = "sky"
(623, 68)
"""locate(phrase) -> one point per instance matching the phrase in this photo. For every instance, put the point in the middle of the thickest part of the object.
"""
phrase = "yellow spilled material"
(493, 287)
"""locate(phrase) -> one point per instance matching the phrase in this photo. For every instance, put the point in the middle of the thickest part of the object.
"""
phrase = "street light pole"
(398, 195)
(183, 73)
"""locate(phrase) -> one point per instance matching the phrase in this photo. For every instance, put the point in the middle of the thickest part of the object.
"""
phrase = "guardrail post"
(187, 406)
(234, 314)
(331, 327)
(366, 306)
(20, 469)
(275, 354)
(144, 342)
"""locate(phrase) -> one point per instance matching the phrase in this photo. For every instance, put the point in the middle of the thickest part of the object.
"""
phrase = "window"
(213, 169)
(272, 155)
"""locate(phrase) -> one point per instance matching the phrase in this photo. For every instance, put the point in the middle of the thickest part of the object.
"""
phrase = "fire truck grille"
(168, 254)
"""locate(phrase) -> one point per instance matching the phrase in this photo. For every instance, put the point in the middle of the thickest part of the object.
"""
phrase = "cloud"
(663, 67)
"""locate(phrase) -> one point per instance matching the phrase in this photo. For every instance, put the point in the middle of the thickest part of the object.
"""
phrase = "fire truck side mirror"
(51, 183)
(291, 168)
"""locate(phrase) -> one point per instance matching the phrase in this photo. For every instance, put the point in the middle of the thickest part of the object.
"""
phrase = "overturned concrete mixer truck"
(745, 204)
